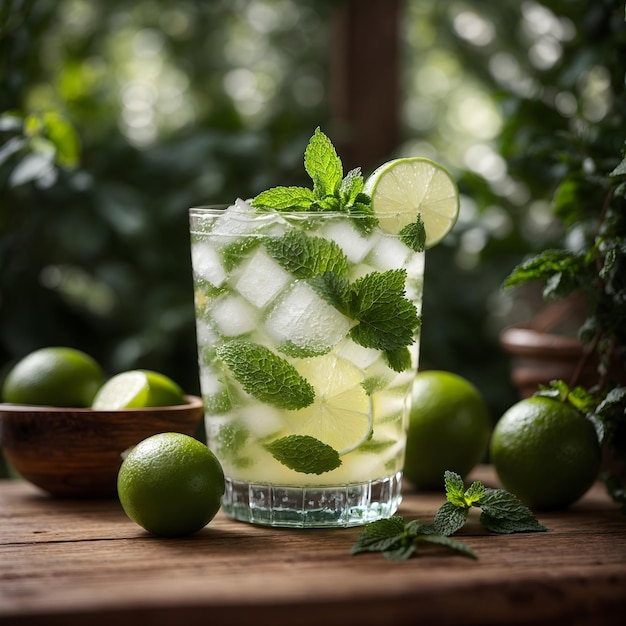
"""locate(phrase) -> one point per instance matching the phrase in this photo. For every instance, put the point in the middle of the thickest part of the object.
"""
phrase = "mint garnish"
(414, 235)
(266, 376)
(398, 540)
(501, 513)
(306, 256)
(304, 454)
(331, 191)
(323, 165)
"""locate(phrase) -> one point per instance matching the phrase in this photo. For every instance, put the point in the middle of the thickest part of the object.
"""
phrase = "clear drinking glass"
(308, 422)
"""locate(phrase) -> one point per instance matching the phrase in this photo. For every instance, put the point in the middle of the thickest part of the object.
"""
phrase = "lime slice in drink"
(137, 388)
(341, 414)
(403, 188)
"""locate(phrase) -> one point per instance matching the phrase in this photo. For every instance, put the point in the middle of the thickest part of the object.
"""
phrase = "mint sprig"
(501, 513)
(266, 376)
(398, 540)
(331, 190)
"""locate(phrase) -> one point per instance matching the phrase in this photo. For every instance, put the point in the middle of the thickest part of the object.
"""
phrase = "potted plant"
(587, 277)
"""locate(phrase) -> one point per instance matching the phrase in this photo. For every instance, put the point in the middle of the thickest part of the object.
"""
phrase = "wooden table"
(84, 562)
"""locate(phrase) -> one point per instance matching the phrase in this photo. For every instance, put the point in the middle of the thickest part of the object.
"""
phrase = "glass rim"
(217, 209)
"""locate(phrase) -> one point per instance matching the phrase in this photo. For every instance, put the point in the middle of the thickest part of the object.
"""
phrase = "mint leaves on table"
(331, 190)
(502, 513)
(398, 540)
(265, 375)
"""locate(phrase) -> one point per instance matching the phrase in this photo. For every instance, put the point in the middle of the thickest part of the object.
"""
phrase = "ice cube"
(234, 316)
(261, 279)
(205, 334)
(210, 384)
(389, 253)
(207, 263)
(351, 241)
(261, 420)
(305, 320)
(360, 356)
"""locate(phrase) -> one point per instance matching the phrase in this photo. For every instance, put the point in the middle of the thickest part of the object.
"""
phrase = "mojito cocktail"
(308, 322)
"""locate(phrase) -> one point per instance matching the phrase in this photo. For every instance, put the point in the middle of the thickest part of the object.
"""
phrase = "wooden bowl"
(76, 453)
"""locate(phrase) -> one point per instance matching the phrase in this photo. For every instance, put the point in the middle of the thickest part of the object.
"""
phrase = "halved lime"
(341, 415)
(137, 388)
(403, 188)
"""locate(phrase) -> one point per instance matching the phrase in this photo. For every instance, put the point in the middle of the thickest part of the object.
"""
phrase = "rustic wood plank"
(76, 562)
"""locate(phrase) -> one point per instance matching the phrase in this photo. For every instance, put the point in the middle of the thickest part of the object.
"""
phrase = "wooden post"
(365, 81)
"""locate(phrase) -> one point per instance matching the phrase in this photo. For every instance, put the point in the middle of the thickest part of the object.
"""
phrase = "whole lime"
(170, 484)
(449, 428)
(54, 376)
(545, 452)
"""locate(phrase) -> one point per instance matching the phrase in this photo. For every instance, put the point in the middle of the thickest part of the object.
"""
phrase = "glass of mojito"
(308, 319)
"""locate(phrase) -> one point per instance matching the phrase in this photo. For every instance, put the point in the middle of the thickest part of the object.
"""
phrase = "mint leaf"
(561, 269)
(284, 199)
(455, 488)
(387, 319)
(398, 540)
(266, 376)
(502, 512)
(334, 289)
(398, 359)
(474, 493)
(414, 235)
(327, 203)
(446, 541)
(379, 536)
(305, 256)
(361, 210)
(304, 454)
(230, 440)
(351, 186)
(450, 518)
(323, 165)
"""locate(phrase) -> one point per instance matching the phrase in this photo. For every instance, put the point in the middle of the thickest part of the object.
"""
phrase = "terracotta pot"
(539, 357)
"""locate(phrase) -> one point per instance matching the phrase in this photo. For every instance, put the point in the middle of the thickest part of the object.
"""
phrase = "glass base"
(312, 506)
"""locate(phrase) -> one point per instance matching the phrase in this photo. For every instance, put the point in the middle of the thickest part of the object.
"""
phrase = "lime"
(138, 388)
(545, 452)
(403, 188)
(341, 415)
(170, 484)
(54, 376)
(449, 428)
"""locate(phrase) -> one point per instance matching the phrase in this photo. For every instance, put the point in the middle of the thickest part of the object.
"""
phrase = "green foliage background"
(118, 116)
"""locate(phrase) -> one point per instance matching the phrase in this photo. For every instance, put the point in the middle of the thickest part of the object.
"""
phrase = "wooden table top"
(84, 562)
